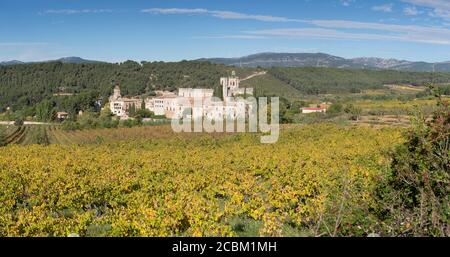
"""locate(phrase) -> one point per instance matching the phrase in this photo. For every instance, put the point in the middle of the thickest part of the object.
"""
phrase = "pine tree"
(44, 111)
(132, 111)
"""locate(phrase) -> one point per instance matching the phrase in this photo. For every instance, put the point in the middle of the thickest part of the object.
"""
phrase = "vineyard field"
(317, 180)
(26, 135)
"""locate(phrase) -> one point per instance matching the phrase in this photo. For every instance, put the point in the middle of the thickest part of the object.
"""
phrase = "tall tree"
(132, 111)
(45, 111)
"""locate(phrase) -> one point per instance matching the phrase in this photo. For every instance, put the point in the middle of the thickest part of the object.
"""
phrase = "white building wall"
(195, 92)
(313, 111)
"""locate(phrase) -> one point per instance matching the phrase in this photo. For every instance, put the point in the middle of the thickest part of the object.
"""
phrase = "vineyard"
(53, 134)
(146, 181)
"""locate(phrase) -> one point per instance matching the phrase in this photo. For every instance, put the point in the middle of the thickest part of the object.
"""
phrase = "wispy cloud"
(232, 37)
(324, 29)
(383, 8)
(320, 33)
(76, 11)
(439, 8)
(175, 11)
(347, 2)
(411, 11)
(219, 14)
(338, 29)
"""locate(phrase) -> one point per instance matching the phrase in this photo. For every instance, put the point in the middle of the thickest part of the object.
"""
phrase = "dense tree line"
(444, 90)
(27, 85)
(40, 89)
(330, 80)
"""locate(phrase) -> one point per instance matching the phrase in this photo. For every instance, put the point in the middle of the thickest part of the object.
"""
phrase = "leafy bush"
(92, 120)
(335, 109)
(354, 111)
(129, 123)
(70, 125)
(18, 122)
(144, 113)
(416, 194)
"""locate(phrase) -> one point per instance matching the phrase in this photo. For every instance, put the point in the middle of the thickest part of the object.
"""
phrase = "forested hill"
(26, 85)
(311, 80)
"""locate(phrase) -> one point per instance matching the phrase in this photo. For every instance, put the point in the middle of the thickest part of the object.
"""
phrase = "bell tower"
(117, 94)
(229, 85)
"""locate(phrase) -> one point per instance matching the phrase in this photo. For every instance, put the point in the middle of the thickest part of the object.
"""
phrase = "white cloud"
(232, 37)
(347, 2)
(439, 8)
(368, 31)
(411, 11)
(320, 33)
(326, 29)
(383, 8)
(175, 11)
(76, 11)
(219, 14)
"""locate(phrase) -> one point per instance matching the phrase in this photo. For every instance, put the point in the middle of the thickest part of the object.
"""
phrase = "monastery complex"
(194, 102)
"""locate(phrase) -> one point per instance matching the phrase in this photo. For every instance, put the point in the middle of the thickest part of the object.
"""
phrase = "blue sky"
(107, 30)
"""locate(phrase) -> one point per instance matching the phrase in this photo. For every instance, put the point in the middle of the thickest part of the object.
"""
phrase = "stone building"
(194, 102)
(120, 106)
(230, 87)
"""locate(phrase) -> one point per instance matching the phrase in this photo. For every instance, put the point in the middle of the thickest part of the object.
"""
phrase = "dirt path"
(261, 73)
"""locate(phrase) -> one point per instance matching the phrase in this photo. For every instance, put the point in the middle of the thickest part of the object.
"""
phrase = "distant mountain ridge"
(267, 60)
(72, 59)
(13, 62)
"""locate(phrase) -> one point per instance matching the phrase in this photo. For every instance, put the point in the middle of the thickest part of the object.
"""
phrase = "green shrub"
(415, 197)
(335, 109)
(70, 125)
(18, 122)
(354, 111)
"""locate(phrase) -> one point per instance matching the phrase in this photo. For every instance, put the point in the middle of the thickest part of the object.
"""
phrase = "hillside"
(269, 85)
(267, 60)
(29, 84)
(24, 86)
(311, 80)
(293, 83)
